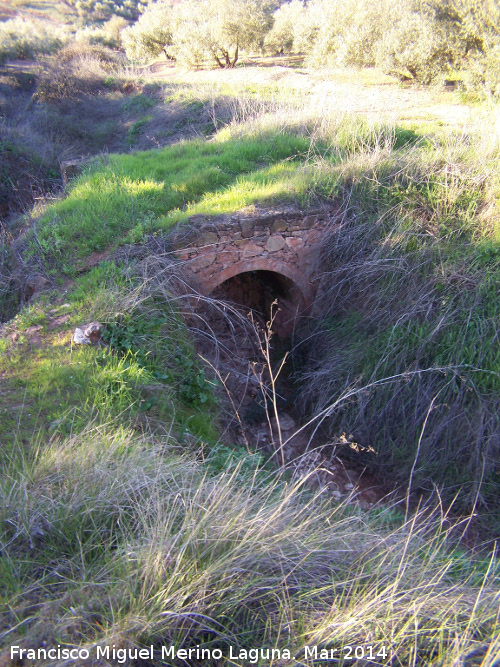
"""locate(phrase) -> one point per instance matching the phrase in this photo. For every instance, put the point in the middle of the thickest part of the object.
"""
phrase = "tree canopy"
(423, 40)
(152, 34)
(102, 9)
(197, 30)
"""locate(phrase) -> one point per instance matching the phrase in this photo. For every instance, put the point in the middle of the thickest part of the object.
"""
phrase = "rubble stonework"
(283, 242)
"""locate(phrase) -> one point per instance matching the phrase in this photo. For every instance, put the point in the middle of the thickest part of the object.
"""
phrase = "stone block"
(279, 226)
(207, 238)
(209, 227)
(227, 258)
(209, 258)
(314, 236)
(310, 221)
(250, 248)
(248, 232)
(88, 334)
(183, 239)
(294, 242)
(275, 243)
(201, 262)
(198, 219)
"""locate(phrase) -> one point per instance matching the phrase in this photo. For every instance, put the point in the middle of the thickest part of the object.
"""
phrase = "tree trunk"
(217, 59)
(168, 56)
(236, 53)
(227, 63)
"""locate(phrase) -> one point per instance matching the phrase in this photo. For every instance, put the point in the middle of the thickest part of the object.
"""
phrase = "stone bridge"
(253, 260)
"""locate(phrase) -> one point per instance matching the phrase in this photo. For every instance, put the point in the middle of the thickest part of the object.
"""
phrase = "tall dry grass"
(113, 538)
(405, 356)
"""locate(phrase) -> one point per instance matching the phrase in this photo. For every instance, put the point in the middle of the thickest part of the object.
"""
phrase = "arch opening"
(257, 290)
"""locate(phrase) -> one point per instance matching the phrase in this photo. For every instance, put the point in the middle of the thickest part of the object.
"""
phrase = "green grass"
(124, 519)
(412, 366)
(421, 225)
(137, 128)
(138, 103)
(147, 367)
(119, 540)
(149, 191)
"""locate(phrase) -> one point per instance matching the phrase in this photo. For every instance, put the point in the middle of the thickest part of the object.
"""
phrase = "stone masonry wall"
(283, 242)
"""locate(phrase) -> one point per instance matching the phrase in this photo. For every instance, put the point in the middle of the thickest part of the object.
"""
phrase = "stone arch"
(298, 278)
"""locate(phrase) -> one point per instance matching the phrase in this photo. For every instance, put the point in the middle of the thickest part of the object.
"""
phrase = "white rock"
(80, 338)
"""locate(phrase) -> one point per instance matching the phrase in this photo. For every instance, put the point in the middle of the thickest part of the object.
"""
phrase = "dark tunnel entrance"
(257, 291)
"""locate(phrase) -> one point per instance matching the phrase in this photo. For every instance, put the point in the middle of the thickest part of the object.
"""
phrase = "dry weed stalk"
(264, 337)
(223, 381)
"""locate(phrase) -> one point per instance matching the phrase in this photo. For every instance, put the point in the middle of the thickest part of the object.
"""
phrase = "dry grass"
(163, 546)
(404, 356)
(79, 69)
(157, 549)
(368, 92)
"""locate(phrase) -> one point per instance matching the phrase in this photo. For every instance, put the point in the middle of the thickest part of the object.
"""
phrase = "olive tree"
(416, 48)
(283, 36)
(477, 25)
(196, 30)
(422, 40)
(338, 32)
(219, 29)
(430, 38)
(152, 34)
(102, 9)
(20, 38)
(348, 31)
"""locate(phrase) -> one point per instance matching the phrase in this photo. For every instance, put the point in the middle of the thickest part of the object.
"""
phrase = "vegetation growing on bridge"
(142, 193)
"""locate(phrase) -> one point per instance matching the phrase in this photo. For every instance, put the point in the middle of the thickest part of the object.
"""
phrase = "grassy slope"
(137, 553)
(147, 192)
(413, 275)
(50, 10)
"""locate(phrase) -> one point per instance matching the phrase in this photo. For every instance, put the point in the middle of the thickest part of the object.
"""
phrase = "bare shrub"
(80, 69)
(24, 39)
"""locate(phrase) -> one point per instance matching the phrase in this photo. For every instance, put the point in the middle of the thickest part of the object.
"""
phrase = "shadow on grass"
(152, 188)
